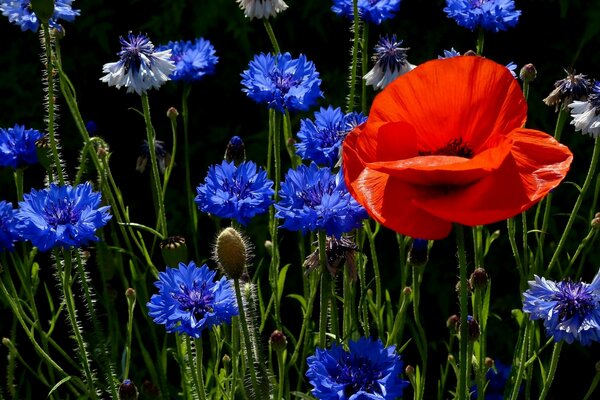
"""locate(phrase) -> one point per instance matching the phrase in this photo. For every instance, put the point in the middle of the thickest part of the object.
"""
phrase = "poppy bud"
(528, 73)
(127, 390)
(231, 253)
(174, 250)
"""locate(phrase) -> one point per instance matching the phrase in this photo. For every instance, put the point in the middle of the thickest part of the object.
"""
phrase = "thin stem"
(198, 362)
(130, 308)
(593, 386)
(325, 289)
(271, 35)
(480, 37)
(551, 370)
(461, 389)
(281, 374)
(354, 62)
(365, 66)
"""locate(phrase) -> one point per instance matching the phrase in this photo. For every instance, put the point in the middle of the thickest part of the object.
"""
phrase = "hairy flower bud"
(528, 73)
(231, 253)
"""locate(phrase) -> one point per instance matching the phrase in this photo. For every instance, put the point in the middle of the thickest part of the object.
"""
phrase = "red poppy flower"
(444, 144)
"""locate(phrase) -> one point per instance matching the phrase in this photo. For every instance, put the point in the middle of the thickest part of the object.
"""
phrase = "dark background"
(551, 34)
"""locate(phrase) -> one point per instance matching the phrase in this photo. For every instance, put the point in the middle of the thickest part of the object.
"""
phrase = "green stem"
(364, 66)
(417, 272)
(18, 175)
(271, 35)
(593, 386)
(461, 389)
(377, 275)
(274, 266)
(551, 370)
(521, 359)
(480, 37)
(315, 278)
(198, 362)
(325, 290)
(281, 373)
(130, 307)
(354, 62)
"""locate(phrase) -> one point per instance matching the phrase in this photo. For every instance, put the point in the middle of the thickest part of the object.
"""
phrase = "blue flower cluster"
(20, 13)
(190, 300)
(313, 198)
(233, 192)
(373, 11)
(320, 141)
(7, 226)
(282, 82)
(193, 60)
(570, 310)
(491, 15)
(368, 370)
(17, 146)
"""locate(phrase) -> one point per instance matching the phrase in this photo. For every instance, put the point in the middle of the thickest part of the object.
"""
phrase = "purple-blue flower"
(586, 114)
(233, 192)
(570, 310)
(282, 82)
(320, 141)
(7, 226)
(373, 11)
(20, 13)
(61, 216)
(491, 15)
(190, 300)
(367, 370)
(390, 62)
(17, 146)
(313, 198)
(192, 60)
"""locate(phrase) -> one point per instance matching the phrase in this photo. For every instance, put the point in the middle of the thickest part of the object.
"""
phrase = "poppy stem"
(461, 387)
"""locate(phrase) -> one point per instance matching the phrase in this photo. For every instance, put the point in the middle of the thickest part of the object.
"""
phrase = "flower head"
(586, 114)
(193, 60)
(7, 226)
(20, 12)
(261, 8)
(163, 157)
(339, 251)
(282, 82)
(373, 11)
(140, 67)
(313, 198)
(444, 144)
(61, 216)
(449, 54)
(368, 370)
(570, 310)
(190, 300)
(17, 146)
(321, 140)
(491, 15)
(573, 87)
(234, 192)
(390, 62)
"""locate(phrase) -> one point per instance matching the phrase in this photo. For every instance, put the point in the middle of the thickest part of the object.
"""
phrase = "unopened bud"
(528, 73)
(269, 247)
(417, 255)
(226, 359)
(278, 341)
(127, 390)
(598, 367)
(478, 279)
(172, 113)
(473, 328)
(596, 221)
(174, 250)
(407, 291)
(6, 341)
(452, 323)
(130, 295)
(235, 150)
(409, 370)
(231, 253)
(489, 362)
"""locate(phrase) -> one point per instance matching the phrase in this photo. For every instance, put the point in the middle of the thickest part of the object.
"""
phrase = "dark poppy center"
(573, 298)
(455, 147)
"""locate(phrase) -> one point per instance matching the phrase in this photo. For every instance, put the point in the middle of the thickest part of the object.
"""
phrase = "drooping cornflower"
(193, 60)
(233, 192)
(390, 62)
(586, 114)
(282, 82)
(190, 300)
(321, 140)
(20, 12)
(61, 216)
(368, 370)
(261, 8)
(140, 67)
(17, 146)
(575, 87)
(570, 310)
(163, 157)
(491, 15)
(313, 198)
(444, 144)
(373, 11)
(7, 226)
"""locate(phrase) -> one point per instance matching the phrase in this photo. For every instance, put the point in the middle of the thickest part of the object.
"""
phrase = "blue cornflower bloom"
(491, 15)
(190, 300)
(570, 310)
(261, 8)
(374, 11)
(233, 192)
(61, 216)
(586, 114)
(140, 67)
(390, 62)
(7, 226)
(368, 370)
(573, 87)
(320, 141)
(17, 146)
(282, 82)
(449, 54)
(192, 60)
(20, 13)
(313, 198)
(497, 378)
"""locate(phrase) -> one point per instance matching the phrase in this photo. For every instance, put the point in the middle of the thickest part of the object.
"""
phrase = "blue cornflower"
(570, 310)
(189, 300)
(20, 13)
(313, 198)
(586, 114)
(374, 11)
(282, 82)
(261, 8)
(491, 15)
(140, 67)
(497, 377)
(17, 146)
(320, 141)
(390, 62)
(233, 192)
(61, 216)
(368, 370)
(575, 87)
(7, 226)
(192, 60)
(449, 54)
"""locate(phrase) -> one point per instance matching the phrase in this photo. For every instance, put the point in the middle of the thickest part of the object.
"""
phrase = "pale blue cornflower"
(20, 12)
